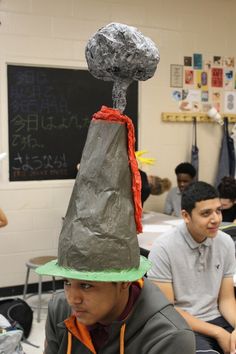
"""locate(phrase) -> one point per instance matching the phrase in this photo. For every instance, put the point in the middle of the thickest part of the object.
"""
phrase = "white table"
(154, 224)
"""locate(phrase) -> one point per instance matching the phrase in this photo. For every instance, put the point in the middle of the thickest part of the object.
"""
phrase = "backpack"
(10, 338)
(18, 313)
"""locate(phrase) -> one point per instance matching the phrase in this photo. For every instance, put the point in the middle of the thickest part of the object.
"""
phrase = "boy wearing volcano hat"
(106, 306)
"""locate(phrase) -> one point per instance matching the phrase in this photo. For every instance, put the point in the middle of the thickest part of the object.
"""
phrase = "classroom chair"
(32, 264)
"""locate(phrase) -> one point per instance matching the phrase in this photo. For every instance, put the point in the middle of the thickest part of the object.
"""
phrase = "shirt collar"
(189, 239)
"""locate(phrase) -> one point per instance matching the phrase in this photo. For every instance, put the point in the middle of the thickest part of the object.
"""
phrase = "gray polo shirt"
(173, 202)
(195, 269)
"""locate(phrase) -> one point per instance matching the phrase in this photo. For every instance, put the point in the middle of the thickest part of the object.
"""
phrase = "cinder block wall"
(54, 33)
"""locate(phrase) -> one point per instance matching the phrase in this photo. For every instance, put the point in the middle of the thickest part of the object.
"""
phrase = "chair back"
(230, 230)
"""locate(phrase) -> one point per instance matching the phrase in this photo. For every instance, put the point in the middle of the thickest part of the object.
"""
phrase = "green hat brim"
(52, 268)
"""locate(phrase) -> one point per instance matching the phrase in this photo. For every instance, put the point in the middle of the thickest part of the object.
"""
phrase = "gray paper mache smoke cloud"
(121, 53)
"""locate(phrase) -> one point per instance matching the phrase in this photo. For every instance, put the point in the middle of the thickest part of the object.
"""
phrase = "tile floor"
(36, 337)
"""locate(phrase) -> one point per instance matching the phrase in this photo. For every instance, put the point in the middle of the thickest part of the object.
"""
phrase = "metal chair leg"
(53, 284)
(26, 283)
(39, 298)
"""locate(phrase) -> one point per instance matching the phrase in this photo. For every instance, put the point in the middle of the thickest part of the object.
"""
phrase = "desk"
(154, 224)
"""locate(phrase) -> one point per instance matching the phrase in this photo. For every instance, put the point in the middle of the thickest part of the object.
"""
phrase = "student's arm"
(181, 342)
(3, 219)
(197, 325)
(227, 306)
(168, 208)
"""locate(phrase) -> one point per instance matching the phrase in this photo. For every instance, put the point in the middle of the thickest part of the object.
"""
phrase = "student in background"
(150, 184)
(227, 192)
(194, 265)
(185, 173)
(153, 185)
(3, 219)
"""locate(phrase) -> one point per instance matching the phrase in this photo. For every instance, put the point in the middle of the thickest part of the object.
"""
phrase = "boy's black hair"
(197, 192)
(187, 168)
(227, 188)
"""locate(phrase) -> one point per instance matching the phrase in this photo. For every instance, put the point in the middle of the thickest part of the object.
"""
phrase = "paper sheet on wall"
(230, 102)
(194, 96)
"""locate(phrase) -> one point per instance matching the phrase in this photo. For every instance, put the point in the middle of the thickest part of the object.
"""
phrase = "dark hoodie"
(152, 327)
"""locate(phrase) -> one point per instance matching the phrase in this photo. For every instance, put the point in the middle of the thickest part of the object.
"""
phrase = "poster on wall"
(201, 79)
(204, 96)
(229, 62)
(228, 79)
(216, 99)
(187, 61)
(176, 75)
(217, 60)
(230, 102)
(197, 61)
(216, 77)
(177, 95)
(189, 77)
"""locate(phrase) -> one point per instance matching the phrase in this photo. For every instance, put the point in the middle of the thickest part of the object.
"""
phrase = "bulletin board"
(49, 112)
(200, 82)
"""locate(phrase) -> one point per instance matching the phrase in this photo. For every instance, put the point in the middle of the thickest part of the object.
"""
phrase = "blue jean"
(209, 345)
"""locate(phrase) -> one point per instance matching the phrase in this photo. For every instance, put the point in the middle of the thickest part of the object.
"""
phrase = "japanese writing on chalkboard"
(49, 114)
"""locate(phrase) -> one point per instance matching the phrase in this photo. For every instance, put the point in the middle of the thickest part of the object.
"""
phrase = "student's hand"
(223, 338)
(3, 219)
(233, 342)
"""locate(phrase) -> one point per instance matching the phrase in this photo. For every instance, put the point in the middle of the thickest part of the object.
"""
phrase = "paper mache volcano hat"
(98, 241)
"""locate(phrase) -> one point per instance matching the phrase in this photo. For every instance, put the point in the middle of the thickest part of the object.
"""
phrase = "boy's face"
(94, 302)
(204, 220)
(183, 180)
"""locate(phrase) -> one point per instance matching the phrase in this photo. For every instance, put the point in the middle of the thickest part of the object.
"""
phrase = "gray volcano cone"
(99, 231)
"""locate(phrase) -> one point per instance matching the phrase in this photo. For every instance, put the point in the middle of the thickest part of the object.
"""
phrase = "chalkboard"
(49, 113)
